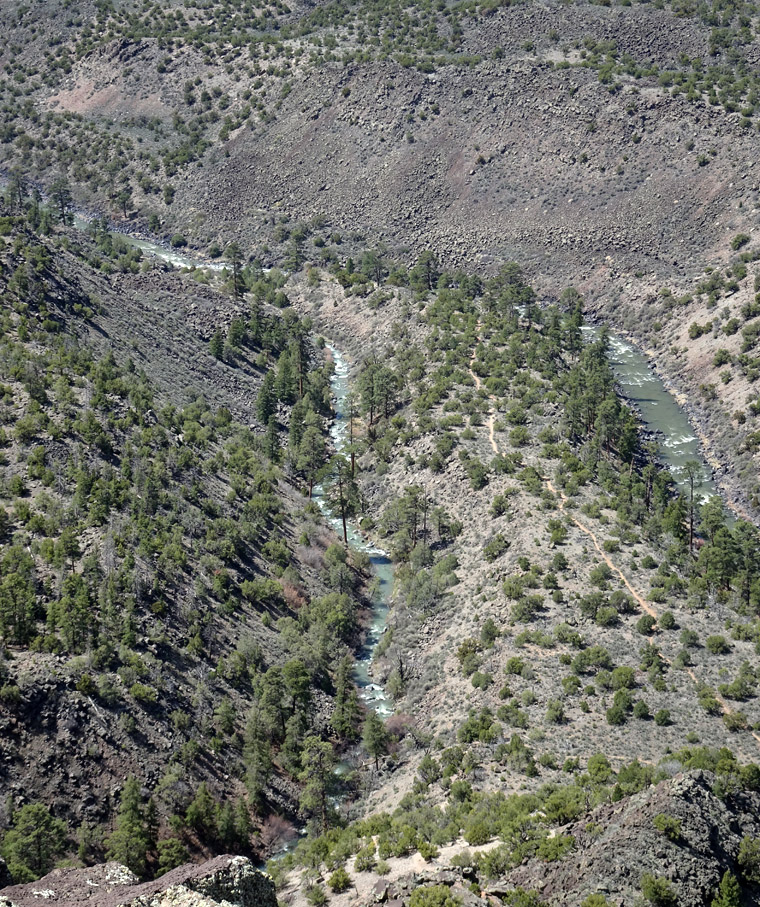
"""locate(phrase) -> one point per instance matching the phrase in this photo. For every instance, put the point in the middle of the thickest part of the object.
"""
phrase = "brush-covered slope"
(174, 614)
(559, 638)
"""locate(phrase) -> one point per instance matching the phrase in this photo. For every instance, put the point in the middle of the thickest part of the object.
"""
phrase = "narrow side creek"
(372, 693)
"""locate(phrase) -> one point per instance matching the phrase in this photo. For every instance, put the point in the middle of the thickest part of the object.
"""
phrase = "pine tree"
(342, 492)
(17, 188)
(257, 757)
(271, 703)
(272, 440)
(286, 385)
(225, 824)
(693, 472)
(201, 814)
(298, 684)
(296, 728)
(18, 599)
(346, 715)
(266, 400)
(296, 429)
(318, 779)
(729, 893)
(234, 256)
(60, 195)
(375, 737)
(151, 824)
(350, 414)
(242, 819)
(129, 842)
(311, 455)
(171, 853)
(216, 345)
(33, 842)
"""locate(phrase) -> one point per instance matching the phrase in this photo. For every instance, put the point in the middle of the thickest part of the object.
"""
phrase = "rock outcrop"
(619, 843)
(229, 881)
(616, 845)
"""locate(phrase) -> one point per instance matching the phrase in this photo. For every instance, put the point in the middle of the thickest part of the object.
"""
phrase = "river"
(660, 413)
(370, 692)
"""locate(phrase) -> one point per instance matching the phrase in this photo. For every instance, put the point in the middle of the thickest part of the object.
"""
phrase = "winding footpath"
(563, 501)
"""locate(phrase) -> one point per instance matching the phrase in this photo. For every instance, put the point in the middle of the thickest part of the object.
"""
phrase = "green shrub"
(428, 851)
(481, 681)
(623, 678)
(143, 694)
(477, 832)
(555, 713)
(658, 891)
(641, 710)
(735, 721)
(668, 826)
(498, 546)
(365, 858)
(434, 896)
(316, 896)
(717, 645)
(748, 859)
(340, 880)
(616, 715)
(662, 717)
(645, 624)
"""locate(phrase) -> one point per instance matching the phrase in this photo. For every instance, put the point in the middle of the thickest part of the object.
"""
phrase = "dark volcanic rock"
(618, 843)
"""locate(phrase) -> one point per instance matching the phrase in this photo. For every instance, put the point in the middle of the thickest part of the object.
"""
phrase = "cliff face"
(227, 880)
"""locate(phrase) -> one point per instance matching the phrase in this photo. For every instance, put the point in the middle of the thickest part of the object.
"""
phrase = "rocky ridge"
(227, 881)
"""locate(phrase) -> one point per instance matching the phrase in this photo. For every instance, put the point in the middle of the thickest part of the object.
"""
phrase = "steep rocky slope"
(610, 147)
(159, 560)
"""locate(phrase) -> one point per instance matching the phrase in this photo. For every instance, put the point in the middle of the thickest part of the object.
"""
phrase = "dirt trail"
(643, 603)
